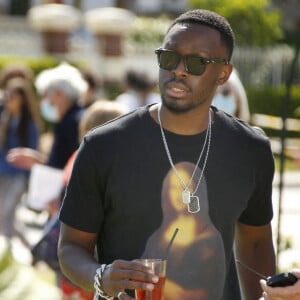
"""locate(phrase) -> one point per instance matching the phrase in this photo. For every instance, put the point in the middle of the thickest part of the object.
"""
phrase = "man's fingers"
(122, 275)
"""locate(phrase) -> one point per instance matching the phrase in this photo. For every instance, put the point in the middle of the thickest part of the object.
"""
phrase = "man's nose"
(180, 69)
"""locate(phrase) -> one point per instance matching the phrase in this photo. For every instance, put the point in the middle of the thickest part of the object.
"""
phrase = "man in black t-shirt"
(180, 164)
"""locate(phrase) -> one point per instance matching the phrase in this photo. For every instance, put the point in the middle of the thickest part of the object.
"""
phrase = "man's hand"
(291, 292)
(130, 275)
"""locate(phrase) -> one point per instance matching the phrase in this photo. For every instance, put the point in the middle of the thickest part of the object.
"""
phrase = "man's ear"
(225, 73)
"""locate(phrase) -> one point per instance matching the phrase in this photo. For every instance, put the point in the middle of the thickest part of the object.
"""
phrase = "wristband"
(97, 282)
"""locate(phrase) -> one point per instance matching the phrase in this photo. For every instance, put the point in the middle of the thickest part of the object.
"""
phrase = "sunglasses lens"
(168, 60)
(195, 65)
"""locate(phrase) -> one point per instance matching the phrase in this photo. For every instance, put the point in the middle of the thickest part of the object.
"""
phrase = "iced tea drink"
(159, 268)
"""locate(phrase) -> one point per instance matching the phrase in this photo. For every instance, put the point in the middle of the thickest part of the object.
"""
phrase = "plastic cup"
(158, 266)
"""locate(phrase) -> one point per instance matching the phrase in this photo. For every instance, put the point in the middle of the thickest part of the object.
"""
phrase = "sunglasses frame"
(204, 61)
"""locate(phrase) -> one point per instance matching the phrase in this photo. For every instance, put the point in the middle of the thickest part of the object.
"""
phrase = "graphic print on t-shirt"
(196, 261)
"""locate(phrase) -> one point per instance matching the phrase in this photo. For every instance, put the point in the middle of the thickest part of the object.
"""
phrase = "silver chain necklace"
(189, 198)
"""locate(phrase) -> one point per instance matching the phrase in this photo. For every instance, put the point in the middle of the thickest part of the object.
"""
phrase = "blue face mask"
(225, 103)
(49, 112)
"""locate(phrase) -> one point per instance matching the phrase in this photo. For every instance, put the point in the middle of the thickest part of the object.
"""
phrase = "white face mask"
(48, 111)
(225, 103)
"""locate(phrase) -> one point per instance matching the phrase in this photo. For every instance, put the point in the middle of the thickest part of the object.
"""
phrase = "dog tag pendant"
(194, 205)
(186, 195)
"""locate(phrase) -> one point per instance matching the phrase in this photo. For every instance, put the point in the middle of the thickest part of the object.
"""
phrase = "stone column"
(55, 22)
(110, 25)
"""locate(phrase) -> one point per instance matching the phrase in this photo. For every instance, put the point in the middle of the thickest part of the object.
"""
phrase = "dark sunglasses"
(194, 65)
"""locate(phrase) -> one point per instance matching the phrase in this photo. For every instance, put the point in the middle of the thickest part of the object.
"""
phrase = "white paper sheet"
(45, 184)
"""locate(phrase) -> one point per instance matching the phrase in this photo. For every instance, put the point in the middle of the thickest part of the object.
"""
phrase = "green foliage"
(254, 22)
(286, 243)
(269, 100)
(112, 90)
(289, 165)
(147, 30)
(36, 64)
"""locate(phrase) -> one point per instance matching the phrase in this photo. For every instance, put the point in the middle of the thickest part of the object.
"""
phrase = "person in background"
(19, 127)
(282, 293)
(179, 164)
(98, 113)
(60, 88)
(231, 97)
(14, 70)
(139, 91)
(225, 100)
(93, 91)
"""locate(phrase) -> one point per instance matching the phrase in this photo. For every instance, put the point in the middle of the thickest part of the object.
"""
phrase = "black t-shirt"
(123, 188)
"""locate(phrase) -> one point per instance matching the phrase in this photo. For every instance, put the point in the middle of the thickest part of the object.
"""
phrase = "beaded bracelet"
(97, 282)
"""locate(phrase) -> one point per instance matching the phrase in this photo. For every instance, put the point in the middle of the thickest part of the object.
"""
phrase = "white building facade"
(137, 6)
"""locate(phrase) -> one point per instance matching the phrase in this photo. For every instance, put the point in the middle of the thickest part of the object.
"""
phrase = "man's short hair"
(210, 19)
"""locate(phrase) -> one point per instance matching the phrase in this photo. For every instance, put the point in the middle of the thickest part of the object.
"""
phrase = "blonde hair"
(100, 112)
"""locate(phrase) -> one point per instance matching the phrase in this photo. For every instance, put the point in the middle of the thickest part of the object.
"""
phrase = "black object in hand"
(280, 280)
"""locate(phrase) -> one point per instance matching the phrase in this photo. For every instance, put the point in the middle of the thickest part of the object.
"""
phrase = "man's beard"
(176, 108)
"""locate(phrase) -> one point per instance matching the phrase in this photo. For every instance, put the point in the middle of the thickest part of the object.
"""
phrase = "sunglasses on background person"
(194, 65)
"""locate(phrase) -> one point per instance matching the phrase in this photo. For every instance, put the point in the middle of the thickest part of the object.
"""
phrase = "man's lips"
(176, 90)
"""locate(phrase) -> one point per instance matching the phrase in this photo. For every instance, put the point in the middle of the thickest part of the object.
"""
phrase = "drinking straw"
(170, 243)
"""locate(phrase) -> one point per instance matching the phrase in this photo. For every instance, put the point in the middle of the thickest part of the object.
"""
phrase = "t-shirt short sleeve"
(259, 210)
(83, 194)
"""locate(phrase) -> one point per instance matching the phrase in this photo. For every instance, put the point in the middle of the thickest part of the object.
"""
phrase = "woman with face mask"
(231, 97)
(61, 89)
(225, 100)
